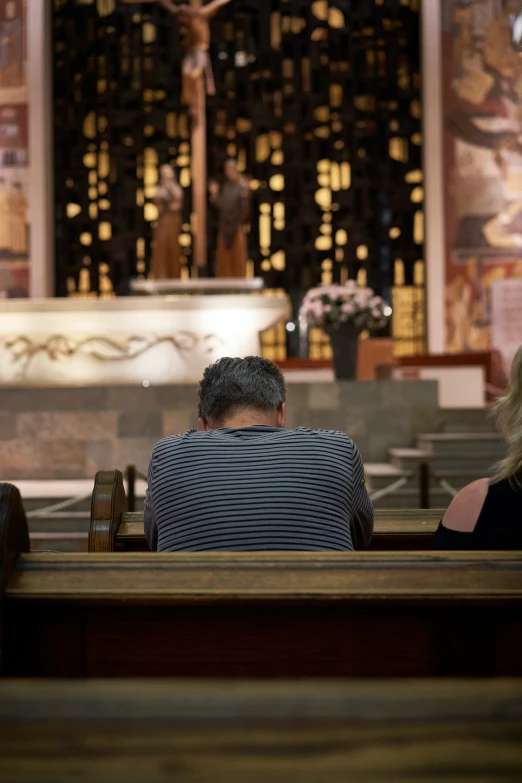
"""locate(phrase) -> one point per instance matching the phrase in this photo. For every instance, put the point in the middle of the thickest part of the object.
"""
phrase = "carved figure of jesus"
(193, 21)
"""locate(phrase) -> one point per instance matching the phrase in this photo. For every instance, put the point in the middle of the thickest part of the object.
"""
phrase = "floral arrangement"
(332, 306)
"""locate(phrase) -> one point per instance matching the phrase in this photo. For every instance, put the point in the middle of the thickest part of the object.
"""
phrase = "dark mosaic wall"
(320, 101)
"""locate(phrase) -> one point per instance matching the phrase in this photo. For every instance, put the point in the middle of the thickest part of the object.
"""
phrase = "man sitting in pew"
(245, 483)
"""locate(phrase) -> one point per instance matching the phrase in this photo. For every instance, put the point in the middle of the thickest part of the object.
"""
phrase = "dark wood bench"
(260, 615)
(52, 732)
(114, 529)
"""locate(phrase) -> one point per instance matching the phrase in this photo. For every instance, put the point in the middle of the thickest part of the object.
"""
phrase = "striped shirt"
(257, 488)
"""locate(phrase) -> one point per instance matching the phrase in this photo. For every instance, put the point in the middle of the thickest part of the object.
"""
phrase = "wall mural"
(14, 142)
(482, 114)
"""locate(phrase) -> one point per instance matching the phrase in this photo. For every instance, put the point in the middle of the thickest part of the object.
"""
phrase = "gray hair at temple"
(233, 385)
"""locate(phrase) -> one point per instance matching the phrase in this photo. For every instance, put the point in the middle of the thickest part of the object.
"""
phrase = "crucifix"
(193, 21)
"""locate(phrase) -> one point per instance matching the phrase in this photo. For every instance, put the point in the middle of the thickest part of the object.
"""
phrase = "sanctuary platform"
(70, 433)
(130, 340)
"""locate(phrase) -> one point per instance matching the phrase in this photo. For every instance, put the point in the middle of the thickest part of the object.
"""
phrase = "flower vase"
(344, 340)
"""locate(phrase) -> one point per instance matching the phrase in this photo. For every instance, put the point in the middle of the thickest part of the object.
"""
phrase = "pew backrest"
(115, 529)
(238, 731)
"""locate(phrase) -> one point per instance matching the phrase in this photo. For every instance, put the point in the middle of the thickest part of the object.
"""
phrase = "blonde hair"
(508, 413)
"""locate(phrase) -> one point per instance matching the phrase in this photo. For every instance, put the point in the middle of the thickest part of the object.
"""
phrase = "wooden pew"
(259, 614)
(305, 732)
(114, 529)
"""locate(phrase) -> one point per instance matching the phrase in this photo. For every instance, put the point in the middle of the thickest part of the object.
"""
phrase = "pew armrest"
(108, 504)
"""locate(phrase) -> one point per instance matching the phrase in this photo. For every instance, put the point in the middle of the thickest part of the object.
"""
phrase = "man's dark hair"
(231, 385)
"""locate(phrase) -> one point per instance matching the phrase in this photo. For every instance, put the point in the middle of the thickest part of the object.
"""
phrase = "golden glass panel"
(243, 125)
(395, 232)
(414, 176)
(417, 195)
(84, 281)
(103, 188)
(150, 212)
(398, 149)
(89, 160)
(140, 266)
(275, 30)
(408, 322)
(278, 260)
(105, 230)
(250, 270)
(362, 253)
(319, 34)
(336, 18)
(86, 238)
(72, 210)
(266, 265)
(341, 237)
(185, 240)
(322, 113)
(93, 211)
(140, 247)
(93, 193)
(339, 144)
(323, 243)
(362, 278)
(326, 278)
(279, 211)
(323, 198)
(399, 276)
(327, 265)
(327, 218)
(106, 7)
(104, 165)
(418, 272)
(265, 231)
(231, 150)
(335, 176)
(417, 139)
(183, 160)
(323, 132)
(254, 184)
(170, 125)
(418, 227)
(89, 125)
(346, 175)
(140, 197)
(277, 182)
(324, 180)
(92, 178)
(185, 178)
(320, 10)
(326, 229)
(150, 191)
(71, 286)
(148, 32)
(104, 203)
(339, 254)
(262, 148)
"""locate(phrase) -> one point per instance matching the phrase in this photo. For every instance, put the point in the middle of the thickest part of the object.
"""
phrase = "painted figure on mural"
(483, 169)
(12, 45)
(166, 253)
(232, 201)
(193, 21)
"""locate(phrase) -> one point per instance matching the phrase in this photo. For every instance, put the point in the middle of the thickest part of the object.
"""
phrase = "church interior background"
(319, 102)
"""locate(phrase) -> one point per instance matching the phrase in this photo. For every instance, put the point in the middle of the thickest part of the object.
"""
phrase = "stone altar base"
(65, 433)
(130, 340)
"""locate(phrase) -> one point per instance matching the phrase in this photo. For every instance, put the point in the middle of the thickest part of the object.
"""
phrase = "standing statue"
(193, 21)
(232, 201)
(166, 250)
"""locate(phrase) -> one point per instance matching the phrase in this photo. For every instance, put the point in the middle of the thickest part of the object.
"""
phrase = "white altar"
(130, 340)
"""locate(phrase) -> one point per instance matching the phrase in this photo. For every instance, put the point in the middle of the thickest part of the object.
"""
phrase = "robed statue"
(232, 201)
(166, 252)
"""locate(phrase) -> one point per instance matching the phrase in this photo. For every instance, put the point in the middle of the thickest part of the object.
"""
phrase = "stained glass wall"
(319, 101)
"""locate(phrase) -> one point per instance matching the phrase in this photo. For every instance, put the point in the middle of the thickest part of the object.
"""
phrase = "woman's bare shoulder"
(465, 508)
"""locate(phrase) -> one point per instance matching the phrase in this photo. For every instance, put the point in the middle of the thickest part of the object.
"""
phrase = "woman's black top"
(499, 525)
